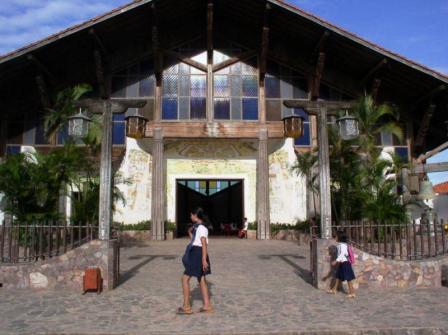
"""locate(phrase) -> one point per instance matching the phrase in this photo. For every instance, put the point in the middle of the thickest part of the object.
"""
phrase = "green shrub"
(170, 226)
(142, 225)
(252, 226)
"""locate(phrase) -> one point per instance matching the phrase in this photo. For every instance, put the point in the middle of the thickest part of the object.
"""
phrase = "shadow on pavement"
(301, 272)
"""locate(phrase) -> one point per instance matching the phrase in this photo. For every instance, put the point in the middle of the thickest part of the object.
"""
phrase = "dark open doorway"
(222, 200)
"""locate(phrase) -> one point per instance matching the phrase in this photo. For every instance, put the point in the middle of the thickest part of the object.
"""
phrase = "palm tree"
(305, 166)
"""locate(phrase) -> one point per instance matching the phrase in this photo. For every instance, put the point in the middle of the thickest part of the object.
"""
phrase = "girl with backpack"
(344, 261)
(196, 262)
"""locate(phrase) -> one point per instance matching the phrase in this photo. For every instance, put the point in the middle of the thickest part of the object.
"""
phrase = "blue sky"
(416, 29)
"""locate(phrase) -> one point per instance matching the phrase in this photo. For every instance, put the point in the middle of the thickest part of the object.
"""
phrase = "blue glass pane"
(402, 153)
(118, 117)
(222, 109)
(305, 140)
(63, 135)
(248, 68)
(169, 85)
(272, 87)
(224, 184)
(13, 149)
(184, 108)
(236, 108)
(236, 84)
(250, 86)
(184, 86)
(118, 133)
(250, 109)
(169, 109)
(147, 87)
(300, 112)
(221, 86)
(132, 89)
(172, 69)
(198, 86)
(197, 107)
(184, 68)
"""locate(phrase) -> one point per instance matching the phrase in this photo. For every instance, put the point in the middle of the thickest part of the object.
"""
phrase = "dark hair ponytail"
(199, 212)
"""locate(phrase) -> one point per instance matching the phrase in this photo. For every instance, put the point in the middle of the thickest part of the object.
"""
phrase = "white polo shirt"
(201, 231)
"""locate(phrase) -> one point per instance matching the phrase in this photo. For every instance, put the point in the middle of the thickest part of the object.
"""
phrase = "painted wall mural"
(213, 160)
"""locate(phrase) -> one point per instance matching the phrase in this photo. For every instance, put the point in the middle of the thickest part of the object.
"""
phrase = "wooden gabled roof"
(294, 34)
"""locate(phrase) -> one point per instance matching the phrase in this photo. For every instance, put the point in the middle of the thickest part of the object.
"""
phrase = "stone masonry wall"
(65, 271)
(373, 271)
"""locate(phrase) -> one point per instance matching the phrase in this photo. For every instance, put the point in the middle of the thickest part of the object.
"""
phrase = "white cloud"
(25, 21)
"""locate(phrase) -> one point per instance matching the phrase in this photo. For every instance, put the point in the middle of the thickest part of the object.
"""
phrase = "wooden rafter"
(373, 70)
(210, 32)
(320, 45)
(43, 92)
(240, 58)
(429, 95)
(375, 88)
(41, 67)
(185, 60)
(318, 72)
(100, 43)
(264, 42)
(424, 126)
(158, 67)
(100, 73)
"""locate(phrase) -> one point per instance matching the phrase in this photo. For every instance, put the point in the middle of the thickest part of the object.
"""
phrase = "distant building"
(441, 201)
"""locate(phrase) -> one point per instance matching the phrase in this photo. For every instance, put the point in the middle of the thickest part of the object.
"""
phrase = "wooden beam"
(100, 77)
(312, 107)
(203, 129)
(240, 58)
(429, 168)
(432, 152)
(210, 32)
(41, 67)
(428, 95)
(264, 43)
(158, 60)
(185, 60)
(320, 45)
(424, 126)
(100, 43)
(375, 88)
(43, 92)
(318, 72)
(373, 70)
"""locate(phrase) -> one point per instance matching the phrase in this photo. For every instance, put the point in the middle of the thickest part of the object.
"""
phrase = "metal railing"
(413, 241)
(39, 241)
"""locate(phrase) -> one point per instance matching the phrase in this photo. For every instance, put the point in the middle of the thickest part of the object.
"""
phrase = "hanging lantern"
(136, 125)
(78, 125)
(426, 191)
(293, 126)
(348, 127)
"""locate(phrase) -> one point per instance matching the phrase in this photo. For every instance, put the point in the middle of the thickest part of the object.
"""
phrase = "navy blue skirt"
(345, 272)
(192, 261)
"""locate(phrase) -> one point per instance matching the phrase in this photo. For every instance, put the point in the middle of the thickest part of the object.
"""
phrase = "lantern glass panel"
(135, 127)
(348, 128)
(293, 126)
(78, 127)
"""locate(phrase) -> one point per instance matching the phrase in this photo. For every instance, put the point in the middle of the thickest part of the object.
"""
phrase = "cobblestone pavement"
(258, 287)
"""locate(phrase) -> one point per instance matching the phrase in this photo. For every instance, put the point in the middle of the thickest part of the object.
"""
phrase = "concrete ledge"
(65, 271)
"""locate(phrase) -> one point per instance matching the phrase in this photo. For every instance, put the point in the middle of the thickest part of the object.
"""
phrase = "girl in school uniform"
(196, 262)
(344, 271)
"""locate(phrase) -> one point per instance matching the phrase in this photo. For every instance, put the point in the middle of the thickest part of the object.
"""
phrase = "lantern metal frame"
(345, 123)
(137, 121)
(85, 121)
(288, 126)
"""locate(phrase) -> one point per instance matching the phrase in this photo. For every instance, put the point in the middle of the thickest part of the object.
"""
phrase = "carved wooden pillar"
(158, 189)
(105, 210)
(324, 174)
(263, 214)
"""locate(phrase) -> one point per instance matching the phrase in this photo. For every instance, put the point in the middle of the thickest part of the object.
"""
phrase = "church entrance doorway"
(222, 200)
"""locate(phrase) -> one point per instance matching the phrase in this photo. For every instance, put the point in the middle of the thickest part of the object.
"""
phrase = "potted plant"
(170, 229)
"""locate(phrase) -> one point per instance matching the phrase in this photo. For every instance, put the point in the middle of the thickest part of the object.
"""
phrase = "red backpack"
(351, 254)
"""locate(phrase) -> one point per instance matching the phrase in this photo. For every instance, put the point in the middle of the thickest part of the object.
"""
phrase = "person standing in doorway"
(196, 262)
(243, 232)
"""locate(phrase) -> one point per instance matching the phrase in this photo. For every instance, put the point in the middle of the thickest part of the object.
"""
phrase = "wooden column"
(263, 214)
(209, 102)
(324, 174)
(158, 189)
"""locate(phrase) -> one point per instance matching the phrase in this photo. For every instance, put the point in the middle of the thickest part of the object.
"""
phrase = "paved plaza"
(257, 287)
